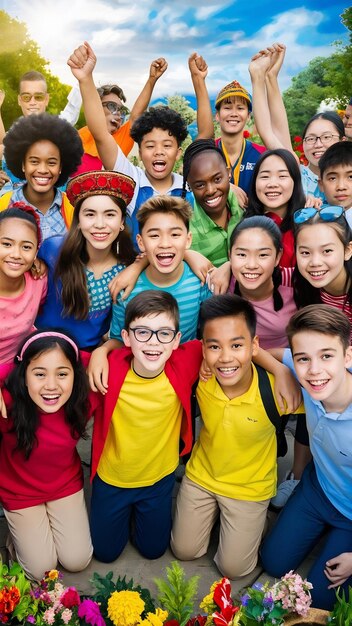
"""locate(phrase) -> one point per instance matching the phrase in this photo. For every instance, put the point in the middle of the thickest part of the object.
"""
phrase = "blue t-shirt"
(251, 155)
(89, 332)
(188, 292)
(330, 439)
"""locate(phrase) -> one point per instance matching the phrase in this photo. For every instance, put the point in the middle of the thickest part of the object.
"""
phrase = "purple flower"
(244, 599)
(90, 611)
(268, 602)
(30, 619)
(258, 586)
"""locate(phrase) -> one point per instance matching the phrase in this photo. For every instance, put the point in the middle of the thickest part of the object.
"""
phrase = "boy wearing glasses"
(146, 410)
(158, 132)
(113, 98)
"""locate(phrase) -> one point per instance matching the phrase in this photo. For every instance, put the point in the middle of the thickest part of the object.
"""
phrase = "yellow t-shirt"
(235, 455)
(142, 445)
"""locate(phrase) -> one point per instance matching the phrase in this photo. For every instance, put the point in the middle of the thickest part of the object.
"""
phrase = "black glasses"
(327, 214)
(38, 97)
(325, 138)
(163, 335)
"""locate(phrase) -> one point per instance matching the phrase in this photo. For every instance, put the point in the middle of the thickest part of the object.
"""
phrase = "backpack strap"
(273, 414)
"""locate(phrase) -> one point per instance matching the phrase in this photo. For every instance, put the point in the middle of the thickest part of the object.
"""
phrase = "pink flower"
(90, 611)
(66, 615)
(70, 598)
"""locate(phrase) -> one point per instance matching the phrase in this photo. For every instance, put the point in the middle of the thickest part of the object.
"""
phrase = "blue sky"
(128, 34)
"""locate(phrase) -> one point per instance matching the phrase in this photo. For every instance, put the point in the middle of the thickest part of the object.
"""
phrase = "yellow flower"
(53, 574)
(207, 604)
(154, 619)
(125, 608)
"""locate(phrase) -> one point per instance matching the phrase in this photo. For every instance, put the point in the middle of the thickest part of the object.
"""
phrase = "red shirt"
(288, 258)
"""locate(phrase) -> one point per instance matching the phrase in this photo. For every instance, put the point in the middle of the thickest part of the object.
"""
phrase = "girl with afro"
(46, 150)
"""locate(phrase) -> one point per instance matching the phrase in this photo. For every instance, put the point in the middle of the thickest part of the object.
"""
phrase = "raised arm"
(199, 70)
(82, 63)
(258, 68)
(157, 69)
(2, 127)
(277, 109)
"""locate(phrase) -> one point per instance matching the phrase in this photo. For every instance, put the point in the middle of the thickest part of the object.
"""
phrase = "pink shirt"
(271, 324)
(17, 315)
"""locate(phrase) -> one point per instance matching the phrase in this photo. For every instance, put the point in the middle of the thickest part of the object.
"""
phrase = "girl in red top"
(277, 192)
(41, 490)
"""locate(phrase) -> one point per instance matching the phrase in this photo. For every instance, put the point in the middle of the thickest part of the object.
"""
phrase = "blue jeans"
(306, 518)
(113, 509)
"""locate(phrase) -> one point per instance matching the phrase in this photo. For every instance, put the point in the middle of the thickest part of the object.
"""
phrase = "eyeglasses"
(38, 97)
(163, 335)
(327, 214)
(115, 108)
(325, 139)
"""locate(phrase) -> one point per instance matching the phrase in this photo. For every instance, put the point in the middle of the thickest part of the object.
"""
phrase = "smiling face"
(209, 181)
(228, 349)
(100, 221)
(347, 121)
(113, 120)
(149, 357)
(49, 380)
(18, 247)
(233, 115)
(315, 151)
(336, 184)
(164, 239)
(42, 166)
(159, 151)
(253, 258)
(320, 362)
(274, 185)
(30, 89)
(320, 257)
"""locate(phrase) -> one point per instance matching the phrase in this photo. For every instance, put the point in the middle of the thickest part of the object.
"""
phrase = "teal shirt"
(208, 238)
(188, 292)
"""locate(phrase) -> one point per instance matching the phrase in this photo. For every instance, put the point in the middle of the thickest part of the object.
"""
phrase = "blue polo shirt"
(330, 438)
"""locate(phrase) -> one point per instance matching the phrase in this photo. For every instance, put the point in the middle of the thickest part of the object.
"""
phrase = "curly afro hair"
(28, 130)
(159, 117)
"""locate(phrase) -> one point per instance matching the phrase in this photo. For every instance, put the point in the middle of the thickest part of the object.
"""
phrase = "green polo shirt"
(208, 238)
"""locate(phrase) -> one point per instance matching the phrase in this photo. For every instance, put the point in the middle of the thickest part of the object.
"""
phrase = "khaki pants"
(54, 531)
(241, 528)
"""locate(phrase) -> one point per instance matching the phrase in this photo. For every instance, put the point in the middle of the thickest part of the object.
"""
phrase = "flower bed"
(122, 603)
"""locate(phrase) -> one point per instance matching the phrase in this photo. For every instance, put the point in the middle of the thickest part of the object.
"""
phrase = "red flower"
(171, 622)
(297, 139)
(246, 134)
(224, 618)
(70, 598)
(198, 620)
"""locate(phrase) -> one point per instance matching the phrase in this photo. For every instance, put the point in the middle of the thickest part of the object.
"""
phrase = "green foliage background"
(323, 78)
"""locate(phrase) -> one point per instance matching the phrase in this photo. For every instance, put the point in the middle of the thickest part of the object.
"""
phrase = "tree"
(324, 78)
(20, 54)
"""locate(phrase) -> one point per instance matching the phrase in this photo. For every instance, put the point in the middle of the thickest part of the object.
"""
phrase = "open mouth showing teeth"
(48, 398)
(212, 201)
(318, 383)
(227, 370)
(165, 258)
(42, 181)
(251, 276)
(318, 274)
(100, 235)
(159, 165)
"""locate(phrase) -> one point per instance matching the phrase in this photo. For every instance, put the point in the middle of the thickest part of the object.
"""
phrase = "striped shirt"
(188, 292)
(339, 302)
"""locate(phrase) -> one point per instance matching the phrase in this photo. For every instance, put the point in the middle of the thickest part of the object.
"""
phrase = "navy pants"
(114, 508)
(306, 518)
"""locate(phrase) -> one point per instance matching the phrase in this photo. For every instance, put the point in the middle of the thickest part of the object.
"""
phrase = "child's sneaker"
(284, 491)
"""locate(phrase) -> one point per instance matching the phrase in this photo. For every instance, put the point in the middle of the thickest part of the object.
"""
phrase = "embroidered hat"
(100, 182)
(231, 90)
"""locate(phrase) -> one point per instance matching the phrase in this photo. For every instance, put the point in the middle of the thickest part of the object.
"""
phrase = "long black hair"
(24, 412)
(297, 200)
(269, 226)
(304, 292)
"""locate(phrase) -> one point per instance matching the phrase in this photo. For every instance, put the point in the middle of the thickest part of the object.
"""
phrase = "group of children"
(195, 290)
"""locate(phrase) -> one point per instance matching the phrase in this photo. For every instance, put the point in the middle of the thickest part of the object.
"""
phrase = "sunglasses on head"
(327, 214)
(38, 97)
(114, 108)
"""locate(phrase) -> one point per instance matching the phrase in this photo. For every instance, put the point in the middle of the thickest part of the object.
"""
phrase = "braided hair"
(197, 147)
(269, 226)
